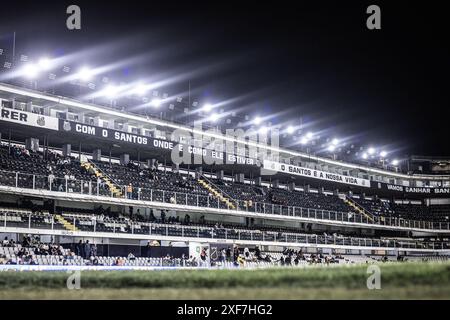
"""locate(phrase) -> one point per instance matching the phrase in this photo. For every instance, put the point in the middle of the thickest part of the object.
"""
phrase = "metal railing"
(95, 188)
(105, 225)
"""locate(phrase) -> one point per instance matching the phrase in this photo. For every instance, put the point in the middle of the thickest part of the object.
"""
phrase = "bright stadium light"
(257, 120)
(156, 103)
(263, 130)
(85, 74)
(207, 107)
(364, 156)
(304, 140)
(290, 129)
(335, 142)
(371, 151)
(394, 162)
(111, 91)
(214, 117)
(331, 148)
(140, 89)
(383, 154)
(30, 71)
(45, 64)
(309, 135)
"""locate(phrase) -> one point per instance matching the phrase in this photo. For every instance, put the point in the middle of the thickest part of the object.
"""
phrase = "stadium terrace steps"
(216, 193)
(115, 189)
(350, 202)
(68, 225)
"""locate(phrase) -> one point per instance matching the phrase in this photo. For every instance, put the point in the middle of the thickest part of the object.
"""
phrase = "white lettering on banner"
(417, 190)
(131, 138)
(442, 190)
(395, 188)
(85, 129)
(163, 144)
(315, 174)
(28, 118)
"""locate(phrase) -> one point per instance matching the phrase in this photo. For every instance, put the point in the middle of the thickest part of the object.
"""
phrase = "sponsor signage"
(208, 155)
(315, 174)
(28, 118)
(439, 191)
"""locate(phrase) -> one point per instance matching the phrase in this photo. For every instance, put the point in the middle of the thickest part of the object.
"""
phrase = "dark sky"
(310, 59)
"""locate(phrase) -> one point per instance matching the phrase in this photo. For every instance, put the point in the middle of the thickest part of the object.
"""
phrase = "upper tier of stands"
(149, 184)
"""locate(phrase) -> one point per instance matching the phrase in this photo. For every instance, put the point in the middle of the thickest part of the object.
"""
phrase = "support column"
(124, 159)
(258, 181)
(32, 144)
(239, 177)
(275, 183)
(198, 172)
(97, 154)
(175, 167)
(219, 174)
(67, 150)
(291, 186)
(307, 188)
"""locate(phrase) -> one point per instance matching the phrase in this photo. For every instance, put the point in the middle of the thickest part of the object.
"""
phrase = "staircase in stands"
(352, 203)
(216, 193)
(68, 225)
(113, 187)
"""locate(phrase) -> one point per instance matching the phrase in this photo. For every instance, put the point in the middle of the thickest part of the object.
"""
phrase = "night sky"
(298, 59)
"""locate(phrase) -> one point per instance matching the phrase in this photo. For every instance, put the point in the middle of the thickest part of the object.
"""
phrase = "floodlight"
(309, 135)
(156, 103)
(263, 130)
(111, 91)
(331, 148)
(84, 74)
(394, 162)
(207, 107)
(290, 129)
(383, 154)
(335, 142)
(214, 117)
(45, 63)
(257, 120)
(304, 140)
(30, 71)
(140, 89)
(371, 150)
(364, 156)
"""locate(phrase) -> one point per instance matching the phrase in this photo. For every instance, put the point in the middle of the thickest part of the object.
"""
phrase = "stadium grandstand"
(89, 183)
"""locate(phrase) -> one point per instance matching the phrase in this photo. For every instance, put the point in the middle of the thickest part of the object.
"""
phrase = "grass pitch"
(398, 281)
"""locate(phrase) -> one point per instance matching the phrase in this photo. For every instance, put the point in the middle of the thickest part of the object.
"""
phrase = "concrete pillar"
(67, 150)
(336, 192)
(291, 186)
(219, 174)
(275, 183)
(97, 154)
(239, 177)
(198, 172)
(29, 107)
(307, 188)
(124, 159)
(32, 144)
(175, 167)
(151, 163)
(258, 181)
(321, 190)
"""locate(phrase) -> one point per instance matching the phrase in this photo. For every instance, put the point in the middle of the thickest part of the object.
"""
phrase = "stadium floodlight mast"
(331, 147)
(364, 155)
(304, 140)
(335, 142)
(309, 135)
(290, 129)
(257, 120)
(111, 91)
(394, 162)
(383, 154)
(371, 151)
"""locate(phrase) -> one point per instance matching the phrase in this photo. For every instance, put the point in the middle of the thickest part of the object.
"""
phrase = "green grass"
(402, 281)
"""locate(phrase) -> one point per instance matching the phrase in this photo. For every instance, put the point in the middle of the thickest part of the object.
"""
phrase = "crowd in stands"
(154, 183)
